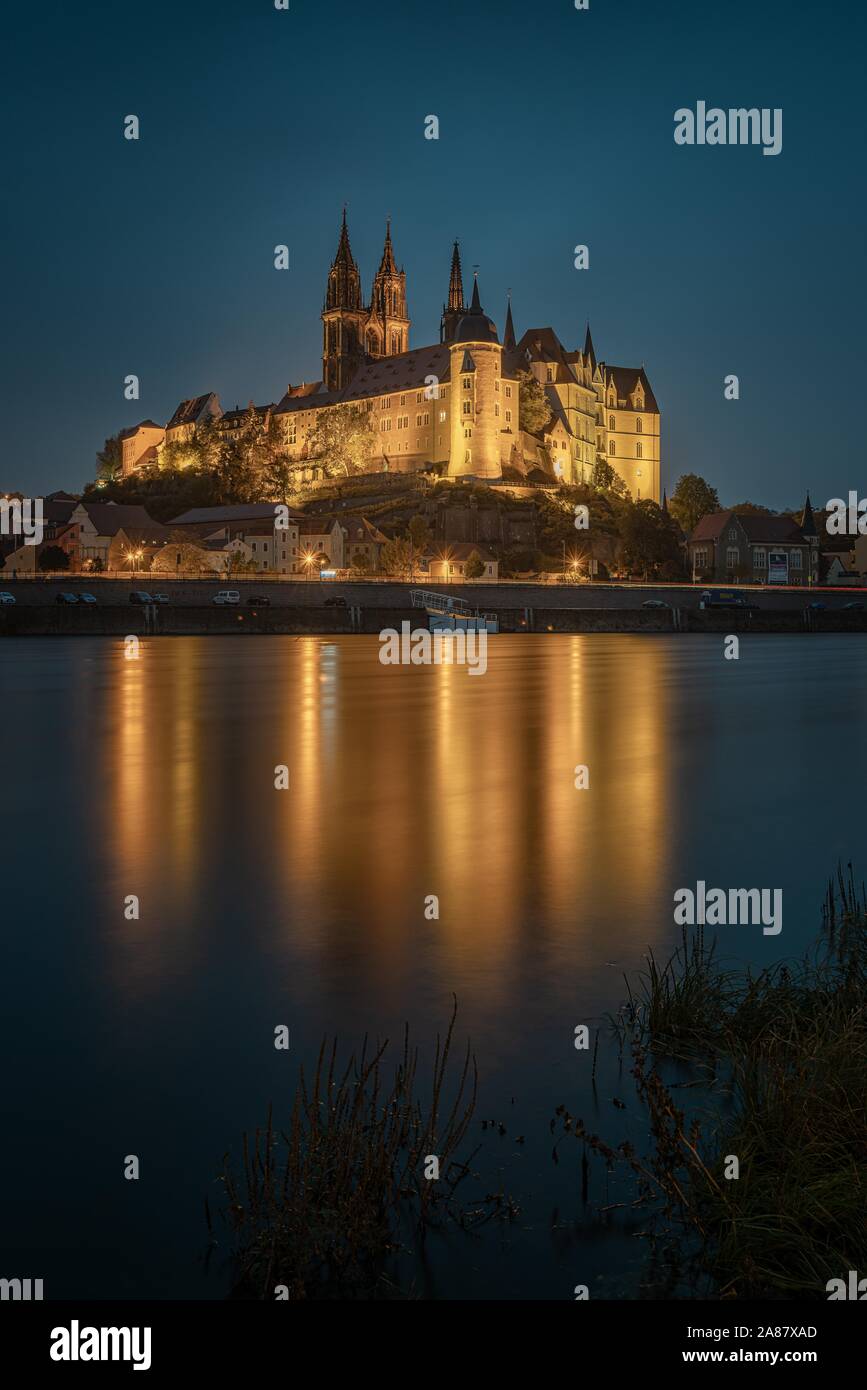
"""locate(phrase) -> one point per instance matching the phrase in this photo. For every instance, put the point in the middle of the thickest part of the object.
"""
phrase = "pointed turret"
(342, 317)
(455, 308)
(588, 347)
(808, 521)
(390, 332)
(344, 281)
(509, 331)
(387, 265)
(456, 282)
(475, 302)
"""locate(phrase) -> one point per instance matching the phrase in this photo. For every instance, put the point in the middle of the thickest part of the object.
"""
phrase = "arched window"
(638, 425)
(638, 451)
(612, 449)
(611, 424)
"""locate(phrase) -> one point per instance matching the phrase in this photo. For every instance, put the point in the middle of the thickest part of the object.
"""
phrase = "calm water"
(306, 907)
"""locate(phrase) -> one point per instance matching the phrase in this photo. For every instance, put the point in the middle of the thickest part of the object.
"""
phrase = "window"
(442, 416)
(508, 417)
(638, 451)
(550, 374)
(699, 559)
(468, 407)
(403, 400)
(497, 408)
(796, 559)
(760, 557)
(732, 557)
(468, 383)
(468, 432)
(508, 393)
(638, 425)
(386, 403)
(496, 386)
(418, 422)
(612, 448)
(611, 424)
(419, 397)
(733, 535)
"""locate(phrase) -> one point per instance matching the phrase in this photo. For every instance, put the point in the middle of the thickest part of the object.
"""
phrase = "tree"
(751, 509)
(534, 408)
(475, 566)
(419, 532)
(650, 544)
(109, 460)
(692, 499)
(53, 558)
(397, 558)
(343, 439)
(605, 479)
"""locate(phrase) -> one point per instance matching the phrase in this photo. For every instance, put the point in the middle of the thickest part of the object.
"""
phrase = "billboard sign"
(778, 567)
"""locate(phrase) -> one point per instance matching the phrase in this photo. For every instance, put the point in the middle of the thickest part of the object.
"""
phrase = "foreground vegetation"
(784, 1054)
(324, 1205)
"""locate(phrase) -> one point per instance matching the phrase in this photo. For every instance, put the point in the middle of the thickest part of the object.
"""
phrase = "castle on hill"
(454, 404)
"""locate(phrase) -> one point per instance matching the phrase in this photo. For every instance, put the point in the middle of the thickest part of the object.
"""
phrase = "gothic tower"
(387, 329)
(455, 309)
(475, 376)
(343, 318)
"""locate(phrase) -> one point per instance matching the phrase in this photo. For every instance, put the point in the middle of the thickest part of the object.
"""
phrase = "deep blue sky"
(156, 257)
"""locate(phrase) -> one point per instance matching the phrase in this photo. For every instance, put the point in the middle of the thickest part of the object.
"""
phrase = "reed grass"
(321, 1206)
(788, 1050)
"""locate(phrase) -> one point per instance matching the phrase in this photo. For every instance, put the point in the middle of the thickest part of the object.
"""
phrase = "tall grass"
(322, 1205)
(789, 1048)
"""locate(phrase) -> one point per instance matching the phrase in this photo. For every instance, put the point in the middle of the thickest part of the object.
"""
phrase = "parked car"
(160, 598)
(727, 598)
(140, 596)
(655, 603)
(817, 607)
(853, 607)
(335, 601)
(6, 597)
(258, 601)
(66, 598)
(226, 596)
(86, 598)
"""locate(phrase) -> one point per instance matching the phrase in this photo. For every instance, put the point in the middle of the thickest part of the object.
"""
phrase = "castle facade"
(456, 403)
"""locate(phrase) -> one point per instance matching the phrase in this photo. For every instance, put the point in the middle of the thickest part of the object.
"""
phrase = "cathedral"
(453, 406)
(456, 404)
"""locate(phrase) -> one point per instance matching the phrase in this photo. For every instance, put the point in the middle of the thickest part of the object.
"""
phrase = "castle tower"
(454, 311)
(343, 318)
(475, 374)
(387, 329)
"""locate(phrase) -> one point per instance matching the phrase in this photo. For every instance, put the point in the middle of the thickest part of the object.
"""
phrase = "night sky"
(156, 257)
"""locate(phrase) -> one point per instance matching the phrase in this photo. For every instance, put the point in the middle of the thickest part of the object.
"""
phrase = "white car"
(6, 597)
(226, 596)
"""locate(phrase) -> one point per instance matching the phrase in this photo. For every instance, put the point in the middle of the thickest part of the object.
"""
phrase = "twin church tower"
(353, 331)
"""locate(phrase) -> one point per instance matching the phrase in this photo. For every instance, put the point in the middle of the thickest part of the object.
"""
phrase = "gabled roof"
(310, 396)
(405, 371)
(110, 517)
(361, 531)
(190, 412)
(249, 511)
(625, 380)
(142, 425)
(758, 528)
(316, 525)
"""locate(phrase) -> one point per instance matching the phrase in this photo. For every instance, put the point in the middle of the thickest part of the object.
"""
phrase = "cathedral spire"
(344, 281)
(456, 282)
(387, 265)
(588, 347)
(509, 331)
(455, 308)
